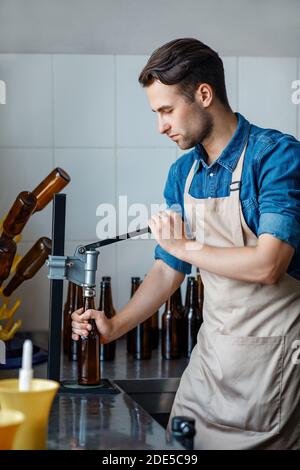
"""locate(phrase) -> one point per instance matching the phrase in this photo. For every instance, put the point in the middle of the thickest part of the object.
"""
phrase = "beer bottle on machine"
(192, 318)
(73, 355)
(89, 346)
(171, 330)
(19, 214)
(8, 250)
(135, 282)
(52, 184)
(29, 264)
(107, 351)
(69, 308)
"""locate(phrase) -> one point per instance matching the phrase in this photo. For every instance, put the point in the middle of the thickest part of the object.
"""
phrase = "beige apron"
(242, 384)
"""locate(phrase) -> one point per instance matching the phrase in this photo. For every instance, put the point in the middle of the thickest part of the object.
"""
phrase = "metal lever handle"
(116, 239)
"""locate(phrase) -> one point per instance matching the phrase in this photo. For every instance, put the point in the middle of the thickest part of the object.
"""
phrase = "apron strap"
(236, 175)
(235, 184)
(190, 177)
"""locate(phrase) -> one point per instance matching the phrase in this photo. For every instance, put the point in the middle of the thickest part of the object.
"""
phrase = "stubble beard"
(204, 132)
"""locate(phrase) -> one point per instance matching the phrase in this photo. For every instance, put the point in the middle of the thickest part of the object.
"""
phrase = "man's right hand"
(82, 327)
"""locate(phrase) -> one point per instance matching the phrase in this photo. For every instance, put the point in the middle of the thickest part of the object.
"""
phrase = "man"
(239, 188)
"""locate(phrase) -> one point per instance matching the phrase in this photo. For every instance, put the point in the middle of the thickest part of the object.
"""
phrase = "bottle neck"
(169, 305)
(71, 300)
(106, 303)
(134, 286)
(78, 296)
(88, 299)
(192, 294)
(13, 284)
(177, 297)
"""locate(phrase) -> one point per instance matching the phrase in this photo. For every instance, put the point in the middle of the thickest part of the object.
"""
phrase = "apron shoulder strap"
(190, 177)
(237, 174)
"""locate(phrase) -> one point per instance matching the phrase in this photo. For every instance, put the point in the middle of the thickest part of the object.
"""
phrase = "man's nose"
(163, 126)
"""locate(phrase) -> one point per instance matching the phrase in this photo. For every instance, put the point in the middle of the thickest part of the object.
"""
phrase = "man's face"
(185, 123)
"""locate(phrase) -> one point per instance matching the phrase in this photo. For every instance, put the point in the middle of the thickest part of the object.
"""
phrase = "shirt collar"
(231, 153)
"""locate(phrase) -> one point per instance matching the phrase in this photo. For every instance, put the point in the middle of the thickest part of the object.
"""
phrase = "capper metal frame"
(80, 269)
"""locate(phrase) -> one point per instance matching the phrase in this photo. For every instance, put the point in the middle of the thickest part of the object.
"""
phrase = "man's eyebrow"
(162, 108)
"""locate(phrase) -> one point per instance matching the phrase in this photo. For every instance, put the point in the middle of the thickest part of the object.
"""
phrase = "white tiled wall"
(136, 123)
(26, 118)
(84, 101)
(93, 182)
(89, 115)
(264, 92)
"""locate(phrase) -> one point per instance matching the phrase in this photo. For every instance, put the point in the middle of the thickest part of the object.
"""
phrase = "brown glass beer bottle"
(29, 265)
(8, 250)
(171, 330)
(200, 291)
(69, 308)
(135, 282)
(52, 184)
(19, 214)
(141, 339)
(73, 355)
(192, 317)
(89, 347)
(154, 330)
(107, 351)
(178, 300)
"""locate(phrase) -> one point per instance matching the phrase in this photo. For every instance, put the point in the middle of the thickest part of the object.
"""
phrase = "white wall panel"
(23, 170)
(26, 118)
(265, 93)
(92, 183)
(136, 123)
(84, 101)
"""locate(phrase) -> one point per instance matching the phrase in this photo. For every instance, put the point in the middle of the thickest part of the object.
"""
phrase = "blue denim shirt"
(270, 185)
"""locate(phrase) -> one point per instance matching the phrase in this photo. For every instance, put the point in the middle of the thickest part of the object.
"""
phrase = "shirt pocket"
(247, 388)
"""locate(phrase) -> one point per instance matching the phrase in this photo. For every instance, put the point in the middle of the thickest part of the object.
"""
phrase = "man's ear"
(204, 94)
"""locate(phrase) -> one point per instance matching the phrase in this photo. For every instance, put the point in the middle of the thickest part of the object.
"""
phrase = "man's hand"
(81, 326)
(168, 230)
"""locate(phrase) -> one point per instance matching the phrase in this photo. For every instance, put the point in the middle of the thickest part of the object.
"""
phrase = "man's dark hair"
(186, 62)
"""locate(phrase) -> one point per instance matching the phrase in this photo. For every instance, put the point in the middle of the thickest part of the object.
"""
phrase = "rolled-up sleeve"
(279, 191)
(173, 198)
